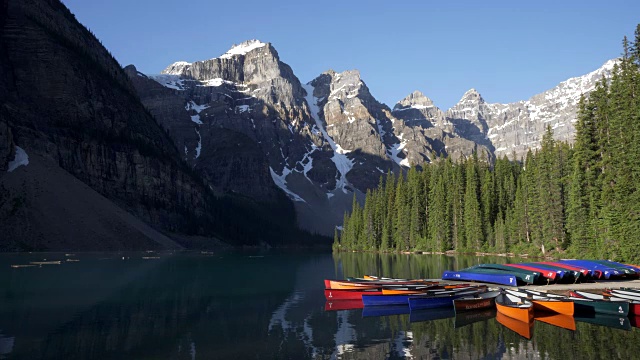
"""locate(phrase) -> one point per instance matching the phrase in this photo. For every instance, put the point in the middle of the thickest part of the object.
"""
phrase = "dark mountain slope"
(67, 101)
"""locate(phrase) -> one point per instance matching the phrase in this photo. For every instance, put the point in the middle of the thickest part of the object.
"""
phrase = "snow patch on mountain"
(281, 182)
(199, 147)
(339, 158)
(21, 158)
(170, 81)
(177, 68)
(396, 149)
(243, 48)
(191, 105)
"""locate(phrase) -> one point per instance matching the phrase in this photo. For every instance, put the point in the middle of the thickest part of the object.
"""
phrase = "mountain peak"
(177, 68)
(243, 48)
(471, 95)
(416, 100)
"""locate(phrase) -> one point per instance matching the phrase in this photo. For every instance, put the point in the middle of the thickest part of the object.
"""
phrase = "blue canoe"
(384, 300)
(509, 280)
(422, 302)
(607, 271)
(401, 299)
(628, 270)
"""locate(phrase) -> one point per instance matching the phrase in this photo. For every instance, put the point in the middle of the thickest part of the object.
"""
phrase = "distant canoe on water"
(57, 262)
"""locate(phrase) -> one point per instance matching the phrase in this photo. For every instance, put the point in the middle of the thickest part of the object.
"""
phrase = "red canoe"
(342, 294)
(546, 273)
(561, 265)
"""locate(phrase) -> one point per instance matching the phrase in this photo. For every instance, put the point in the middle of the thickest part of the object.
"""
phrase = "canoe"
(479, 301)
(374, 311)
(585, 272)
(401, 299)
(607, 271)
(443, 299)
(345, 285)
(404, 291)
(634, 306)
(522, 328)
(337, 305)
(501, 279)
(560, 273)
(585, 305)
(470, 317)
(549, 275)
(625, 294)
(389, 290)
(390, 281)
(431, 314)
(574, 275)
(349, 294)
(564, 307)
(514, 307)
(385, 300)
(544, 303)
(616, 322)
(635, 321)
(565, 275)
(589, 306)
(559, 320)
(523, 275)
(627, 270)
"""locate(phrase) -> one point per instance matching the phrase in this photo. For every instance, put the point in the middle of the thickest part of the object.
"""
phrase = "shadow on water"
(254, 306)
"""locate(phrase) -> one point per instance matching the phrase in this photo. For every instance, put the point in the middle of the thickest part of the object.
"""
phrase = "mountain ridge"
(331, 138)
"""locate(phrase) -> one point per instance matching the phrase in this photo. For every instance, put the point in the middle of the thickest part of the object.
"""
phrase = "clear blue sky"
(507, 50)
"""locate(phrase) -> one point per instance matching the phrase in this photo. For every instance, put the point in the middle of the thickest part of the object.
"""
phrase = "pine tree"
(472, 215)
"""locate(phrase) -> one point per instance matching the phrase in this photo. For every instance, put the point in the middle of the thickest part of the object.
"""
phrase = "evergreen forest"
(561, 200)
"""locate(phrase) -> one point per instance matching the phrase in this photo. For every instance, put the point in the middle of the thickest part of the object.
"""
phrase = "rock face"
(429, 133)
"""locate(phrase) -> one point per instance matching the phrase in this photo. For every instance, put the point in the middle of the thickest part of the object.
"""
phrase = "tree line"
(578, 200)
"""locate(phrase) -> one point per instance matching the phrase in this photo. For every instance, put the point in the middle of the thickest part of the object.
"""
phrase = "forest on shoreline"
(579, 200)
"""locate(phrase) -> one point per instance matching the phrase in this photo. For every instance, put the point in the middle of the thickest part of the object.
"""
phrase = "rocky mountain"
(245, 112)
(242, 121)
(512, 129)
(85, 166)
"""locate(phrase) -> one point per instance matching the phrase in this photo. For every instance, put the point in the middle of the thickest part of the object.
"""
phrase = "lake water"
(259, 306)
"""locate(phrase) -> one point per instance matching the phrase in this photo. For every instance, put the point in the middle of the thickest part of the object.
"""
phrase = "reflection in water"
(6, 345)
(233, 306)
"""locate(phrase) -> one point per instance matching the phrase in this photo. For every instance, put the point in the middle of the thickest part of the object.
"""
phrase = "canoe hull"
(470, 304)
(346, 285)
(524, 314)
(617, 308)
(385, 300)
(348, 294)
(508, 280)
(431, 302)
(554, 306)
